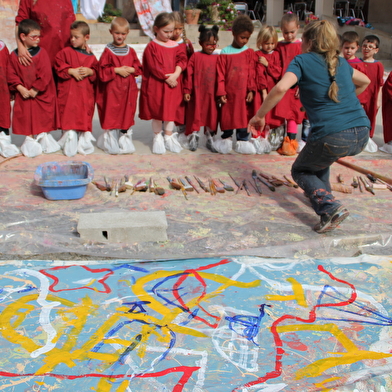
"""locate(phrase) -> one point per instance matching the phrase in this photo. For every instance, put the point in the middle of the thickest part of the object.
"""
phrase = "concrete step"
(99, 34)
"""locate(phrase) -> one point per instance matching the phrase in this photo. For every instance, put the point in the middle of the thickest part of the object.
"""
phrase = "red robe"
(55, 19)
(5, 104)
(290, 105)
(187, 47)
(267, 77)
(236, 78)
(200, 83)
(117, 96)
(158, 101)
(387, 109)
(33, 115)
(358, 64)
(76, 100)
(375, 72)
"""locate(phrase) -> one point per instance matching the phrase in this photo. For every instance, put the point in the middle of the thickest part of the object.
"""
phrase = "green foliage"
(225, 10)
(109, 13)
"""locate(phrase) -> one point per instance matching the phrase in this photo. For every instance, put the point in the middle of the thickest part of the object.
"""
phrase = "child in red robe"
(268, 72)
(200, 90)
(290, 106)
(77, 72)
(387, 114)
(236, 88)
(375, 72)
(179, 35)
(35, 93)
(160, 95)
(117, 91)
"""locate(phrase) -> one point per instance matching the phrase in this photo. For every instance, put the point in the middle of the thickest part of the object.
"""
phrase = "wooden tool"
(226, 186)
(238, 185)
(191, 184)
(173, 183)
(99, 186)
(201, 183)
(158, 190)
(188, 187)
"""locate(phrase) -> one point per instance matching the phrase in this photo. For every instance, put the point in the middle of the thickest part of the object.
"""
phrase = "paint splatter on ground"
(224, 324)
(275, 224)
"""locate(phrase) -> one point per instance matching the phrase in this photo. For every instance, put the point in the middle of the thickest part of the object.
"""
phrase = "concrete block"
(126, 227)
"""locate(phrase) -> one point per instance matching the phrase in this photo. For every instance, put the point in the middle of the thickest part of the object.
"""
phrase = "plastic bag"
(371, 146)
(31, 148)
(223, 146)
(172, 144)
(49, 145)
(85, 143)
(262, 145)
(125, 143)
(183, 140)
(245, 147)
(7, 149)
(69, 143)
(108, 142)
(387, 147)
(158, 144)
(276, 137)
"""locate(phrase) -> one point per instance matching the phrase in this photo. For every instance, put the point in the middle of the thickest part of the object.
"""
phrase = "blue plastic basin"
(64, 180)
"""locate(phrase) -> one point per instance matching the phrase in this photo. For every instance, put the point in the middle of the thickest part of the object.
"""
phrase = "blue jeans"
(311, 168)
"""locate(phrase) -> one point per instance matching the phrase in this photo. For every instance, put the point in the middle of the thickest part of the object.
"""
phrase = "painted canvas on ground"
(215, 325)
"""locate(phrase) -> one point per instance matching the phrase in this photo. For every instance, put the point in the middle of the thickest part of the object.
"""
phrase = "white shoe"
(85, 143)
(48, 144)
(7, 149)
(172, 144)
(30, 147)
(108, 141)
(371, 146)
(183, 140)
(158, 144)
(245, 147)
(301, 145)
(224, 146)
(69, 143)
(387, 147)
(125, 143)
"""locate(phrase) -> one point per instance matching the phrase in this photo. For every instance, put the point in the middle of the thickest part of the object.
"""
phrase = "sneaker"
(210, 143)
(330, 222)
(193, 141)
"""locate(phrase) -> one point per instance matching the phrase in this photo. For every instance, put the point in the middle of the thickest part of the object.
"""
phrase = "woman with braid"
(328, 87)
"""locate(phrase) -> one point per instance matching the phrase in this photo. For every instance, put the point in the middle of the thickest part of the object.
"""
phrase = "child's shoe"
(7, 149)
(224, 146)
(371, 146)
(261, 145)
(193, 141)
(49, 145)
(158, 144)
(31, 148)
(183, 140)
(387, 147)
(172, 144)
(85, 143)
(210, 144)
(69, 143)
(245, 147)
(108, 141)
(288, 147)
(125, 143)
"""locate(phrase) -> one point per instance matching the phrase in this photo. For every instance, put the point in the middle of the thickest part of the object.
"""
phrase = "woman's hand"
(255, 125)
(24, 56)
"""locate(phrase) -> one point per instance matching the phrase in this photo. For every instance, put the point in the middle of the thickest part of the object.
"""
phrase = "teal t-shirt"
(325, 115)
(231, 50)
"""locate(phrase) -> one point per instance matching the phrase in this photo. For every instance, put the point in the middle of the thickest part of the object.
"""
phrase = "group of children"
(179, 87)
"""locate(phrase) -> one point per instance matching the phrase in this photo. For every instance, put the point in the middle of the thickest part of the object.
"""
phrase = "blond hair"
(265, 34)
(179, 19)
(324, 40)
(119, 21)
(288, 18)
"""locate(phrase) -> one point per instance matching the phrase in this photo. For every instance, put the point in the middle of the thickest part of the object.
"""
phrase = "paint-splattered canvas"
(203, 325)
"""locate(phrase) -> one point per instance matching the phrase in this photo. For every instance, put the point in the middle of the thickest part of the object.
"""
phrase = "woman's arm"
(361, 81)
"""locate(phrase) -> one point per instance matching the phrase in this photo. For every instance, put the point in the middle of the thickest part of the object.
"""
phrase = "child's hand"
(296, 95)
(223, 99)
(33, 92)
(187, 97)
(263, 60)
(249, 97)
(171, 80)
(74, 72)
(23, 91)
(122, 71)
(85, 71)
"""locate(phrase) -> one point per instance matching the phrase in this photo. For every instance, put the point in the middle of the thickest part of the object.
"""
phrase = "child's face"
(349, 49)
(32, 39)
(369, 49)
(78, 40)
(268, 45)
(119, 35)
(209, 46)
(177, 32)
(165, 33)
(241, 39)
(289, 31)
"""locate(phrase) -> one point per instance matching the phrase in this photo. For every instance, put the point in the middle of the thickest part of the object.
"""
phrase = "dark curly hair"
(241, 24)
(206, 33)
